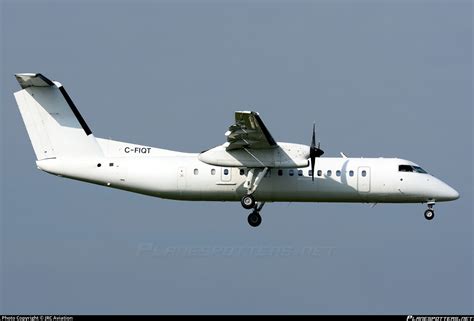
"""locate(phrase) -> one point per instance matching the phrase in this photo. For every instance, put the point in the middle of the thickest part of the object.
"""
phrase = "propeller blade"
(314, 151)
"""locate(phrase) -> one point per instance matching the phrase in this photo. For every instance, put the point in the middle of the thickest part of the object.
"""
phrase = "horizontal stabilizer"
(33, 80)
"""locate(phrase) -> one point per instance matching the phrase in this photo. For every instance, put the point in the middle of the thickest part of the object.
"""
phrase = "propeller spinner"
(314, 151)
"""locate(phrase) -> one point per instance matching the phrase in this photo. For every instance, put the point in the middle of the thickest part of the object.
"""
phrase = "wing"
(249, 131)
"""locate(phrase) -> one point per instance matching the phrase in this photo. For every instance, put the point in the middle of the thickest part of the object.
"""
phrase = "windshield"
(411, 168)
(418, 169)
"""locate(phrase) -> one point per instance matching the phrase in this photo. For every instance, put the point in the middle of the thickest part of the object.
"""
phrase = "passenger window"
(364, 173)
(310, 173)
(338, 173)
(242, 171)
(196, 171)
(291, 172)
(300, 172)
(226, 171)
(351, 173)
(213, 171)
(320, 172)
(280, 172)
(329, 173)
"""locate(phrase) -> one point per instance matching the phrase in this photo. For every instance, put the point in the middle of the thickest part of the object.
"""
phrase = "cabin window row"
(291, 172)
(213, 171)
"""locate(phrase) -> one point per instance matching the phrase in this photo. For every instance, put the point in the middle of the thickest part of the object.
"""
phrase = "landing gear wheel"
(248, 202)
(254, 219)
(429, 214)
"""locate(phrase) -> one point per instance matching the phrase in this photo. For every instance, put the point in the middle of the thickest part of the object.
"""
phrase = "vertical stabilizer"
(54, 124)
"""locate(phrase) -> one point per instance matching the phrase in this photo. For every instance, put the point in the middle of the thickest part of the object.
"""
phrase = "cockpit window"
(410, 168)
(405, 168)
(418, 169)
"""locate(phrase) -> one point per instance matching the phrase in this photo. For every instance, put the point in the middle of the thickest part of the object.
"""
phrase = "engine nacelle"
(285, 155)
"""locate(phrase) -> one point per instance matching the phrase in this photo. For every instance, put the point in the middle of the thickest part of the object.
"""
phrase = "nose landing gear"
(429, 213)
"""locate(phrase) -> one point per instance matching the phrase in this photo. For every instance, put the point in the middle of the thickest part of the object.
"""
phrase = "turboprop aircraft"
(250, 167)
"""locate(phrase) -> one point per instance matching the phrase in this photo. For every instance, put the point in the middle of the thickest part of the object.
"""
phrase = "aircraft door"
(226, 174)
(181, 178)
(363, 179)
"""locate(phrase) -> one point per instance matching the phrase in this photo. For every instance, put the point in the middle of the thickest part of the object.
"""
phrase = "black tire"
(248, 202)
(254, 219)
(429, 214)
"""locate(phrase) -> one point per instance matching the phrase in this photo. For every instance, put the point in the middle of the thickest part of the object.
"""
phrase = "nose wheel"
(429, 213)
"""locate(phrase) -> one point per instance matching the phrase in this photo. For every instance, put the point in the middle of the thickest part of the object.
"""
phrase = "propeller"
(314, 151)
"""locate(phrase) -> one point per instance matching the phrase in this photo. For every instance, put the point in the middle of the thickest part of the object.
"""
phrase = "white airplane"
(251, 167)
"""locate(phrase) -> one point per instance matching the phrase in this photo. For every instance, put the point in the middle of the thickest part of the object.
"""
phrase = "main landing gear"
(248, 201)
(429, 213)
(255, 218)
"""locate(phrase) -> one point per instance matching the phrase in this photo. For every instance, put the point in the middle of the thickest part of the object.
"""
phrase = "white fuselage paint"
(182, 176)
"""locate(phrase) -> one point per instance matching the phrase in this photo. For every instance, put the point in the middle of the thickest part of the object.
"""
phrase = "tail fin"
(55, 126)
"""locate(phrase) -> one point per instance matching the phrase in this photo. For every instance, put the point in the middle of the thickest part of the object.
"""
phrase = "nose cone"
(453, 194)
(440, 191)
(448, 193)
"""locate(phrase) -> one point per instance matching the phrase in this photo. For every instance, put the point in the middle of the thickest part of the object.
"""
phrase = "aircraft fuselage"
(182, 176)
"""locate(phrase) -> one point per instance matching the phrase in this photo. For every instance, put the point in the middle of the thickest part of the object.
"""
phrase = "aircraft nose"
(454, 194)
(449, 193)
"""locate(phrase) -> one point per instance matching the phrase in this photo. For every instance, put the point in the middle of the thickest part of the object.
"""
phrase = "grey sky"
(380, 78)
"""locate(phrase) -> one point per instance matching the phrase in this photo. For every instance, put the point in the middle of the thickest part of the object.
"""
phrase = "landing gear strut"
(429, 213)
(248, 201)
